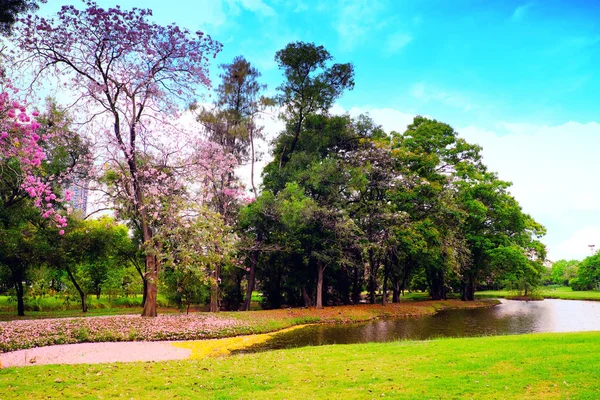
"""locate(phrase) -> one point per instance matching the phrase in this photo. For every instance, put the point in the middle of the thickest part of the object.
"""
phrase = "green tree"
(232, 122)
(310, 86)
(563, 271)
(588, 274)
(88, 252)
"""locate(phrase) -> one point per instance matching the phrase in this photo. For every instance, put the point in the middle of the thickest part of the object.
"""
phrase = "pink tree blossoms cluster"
(128, 75)
(22, 155)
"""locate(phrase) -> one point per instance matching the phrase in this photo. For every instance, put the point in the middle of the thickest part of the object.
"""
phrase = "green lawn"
(539, 366)
(59, 306)
(562, 292)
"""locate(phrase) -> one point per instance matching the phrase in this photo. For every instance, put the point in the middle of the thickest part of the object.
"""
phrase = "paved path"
(94, 353)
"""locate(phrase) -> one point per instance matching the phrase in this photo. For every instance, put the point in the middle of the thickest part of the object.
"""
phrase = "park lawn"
(564, 292)
(536, 366)
(57, 307)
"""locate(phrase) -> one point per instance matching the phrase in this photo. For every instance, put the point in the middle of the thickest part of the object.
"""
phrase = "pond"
(509, 317)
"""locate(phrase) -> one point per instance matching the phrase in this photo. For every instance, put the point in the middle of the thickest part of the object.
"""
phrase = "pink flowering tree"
(191, 202)
(38, 156)
(21, 156)
(129, 75)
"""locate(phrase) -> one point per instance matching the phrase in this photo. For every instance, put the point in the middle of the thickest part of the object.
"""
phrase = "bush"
(579, 285)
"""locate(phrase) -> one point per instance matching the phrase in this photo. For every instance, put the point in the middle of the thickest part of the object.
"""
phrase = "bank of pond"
(507, 318)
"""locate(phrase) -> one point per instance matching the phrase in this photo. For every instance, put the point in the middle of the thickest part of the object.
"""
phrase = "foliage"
(588, 274)
(564, 271)
(10, 10)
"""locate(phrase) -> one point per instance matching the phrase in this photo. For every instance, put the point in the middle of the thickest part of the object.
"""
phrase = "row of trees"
(343, 206)
(579, 275)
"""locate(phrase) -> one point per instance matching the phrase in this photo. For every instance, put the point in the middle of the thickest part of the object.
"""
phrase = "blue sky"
(521, 78)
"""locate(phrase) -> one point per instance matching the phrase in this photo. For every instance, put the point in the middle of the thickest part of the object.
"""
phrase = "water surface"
(509, 317)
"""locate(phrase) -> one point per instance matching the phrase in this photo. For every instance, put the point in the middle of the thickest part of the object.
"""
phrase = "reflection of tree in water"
(511, 317)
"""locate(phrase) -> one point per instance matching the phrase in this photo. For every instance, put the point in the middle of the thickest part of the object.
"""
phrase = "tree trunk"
(214, 290)
(151, 287)
(252, 275)
(385, 283)
(396, 292)
(79, 290)
(356, 286)
(151, 291)
(469, 290)
(372, 275)
(98, 290)
(320, 269)
(20, 294)
(251, 281)
(252, 163)
(306, 297)
(145, 291)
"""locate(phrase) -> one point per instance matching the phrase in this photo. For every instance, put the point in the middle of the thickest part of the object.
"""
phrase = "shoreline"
(26, 334)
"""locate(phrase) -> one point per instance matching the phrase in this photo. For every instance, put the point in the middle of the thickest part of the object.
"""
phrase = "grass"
(59, 307)
(538, 366)
(563, 292)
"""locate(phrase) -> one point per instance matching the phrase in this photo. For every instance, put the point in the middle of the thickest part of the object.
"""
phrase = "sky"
(519, 78)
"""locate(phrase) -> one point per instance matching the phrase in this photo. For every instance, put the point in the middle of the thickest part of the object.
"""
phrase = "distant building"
(79, 196)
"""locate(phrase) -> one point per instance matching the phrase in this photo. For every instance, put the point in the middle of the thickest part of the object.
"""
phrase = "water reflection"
(510, 317)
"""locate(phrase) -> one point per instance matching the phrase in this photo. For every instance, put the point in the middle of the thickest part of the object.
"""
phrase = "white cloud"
(577, 245)
(356, 20)
(258, 6)
(216, 13)
(427, 93)
(396, 42)
(521, 11)
(552, 167)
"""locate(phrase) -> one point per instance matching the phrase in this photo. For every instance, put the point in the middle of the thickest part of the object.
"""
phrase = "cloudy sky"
(520, 78)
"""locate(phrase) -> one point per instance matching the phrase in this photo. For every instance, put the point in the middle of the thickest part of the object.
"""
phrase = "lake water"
(510, 317)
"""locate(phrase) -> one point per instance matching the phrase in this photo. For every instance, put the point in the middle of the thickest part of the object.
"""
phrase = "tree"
(196, 249)
(131, 73)
(10, 10)
(588, 274)
(232, 122)
(563, 271)
(496, 227)
(310, 86)
(36, 159)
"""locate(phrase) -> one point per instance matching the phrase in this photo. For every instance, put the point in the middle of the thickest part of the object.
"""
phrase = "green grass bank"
(537, 366)
(564, 293)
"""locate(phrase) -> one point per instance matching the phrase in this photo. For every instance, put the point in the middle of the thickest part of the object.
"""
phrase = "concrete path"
(94, 353)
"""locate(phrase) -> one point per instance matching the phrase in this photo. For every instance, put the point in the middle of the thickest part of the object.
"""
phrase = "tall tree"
(232, 122)
(131, 73)
(310, 86)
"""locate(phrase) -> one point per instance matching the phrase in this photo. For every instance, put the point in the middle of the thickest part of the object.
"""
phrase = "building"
(79, 196)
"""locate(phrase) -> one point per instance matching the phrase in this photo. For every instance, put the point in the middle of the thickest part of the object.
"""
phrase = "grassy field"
(540, 366)
(61, 307)
(564, 292)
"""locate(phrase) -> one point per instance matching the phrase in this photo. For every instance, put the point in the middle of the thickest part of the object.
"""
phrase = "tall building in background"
(79, 196)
